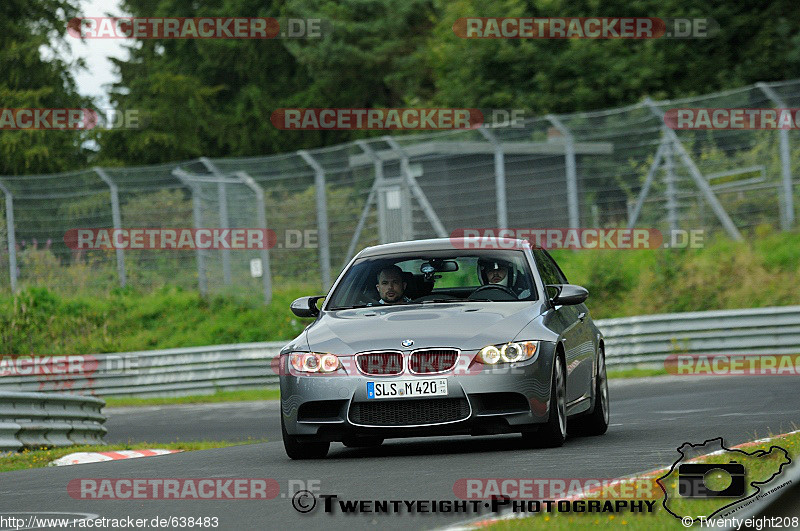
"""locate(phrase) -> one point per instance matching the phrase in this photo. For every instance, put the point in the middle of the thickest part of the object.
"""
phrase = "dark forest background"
(214, 97)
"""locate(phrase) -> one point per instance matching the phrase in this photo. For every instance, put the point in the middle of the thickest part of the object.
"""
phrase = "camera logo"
(702, 480)
(708, 478)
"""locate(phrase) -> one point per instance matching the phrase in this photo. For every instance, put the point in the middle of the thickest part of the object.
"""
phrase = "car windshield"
(433, 277)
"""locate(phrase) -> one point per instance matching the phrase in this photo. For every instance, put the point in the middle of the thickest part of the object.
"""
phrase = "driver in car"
(494, 271)
(391, 286)
(501, 273)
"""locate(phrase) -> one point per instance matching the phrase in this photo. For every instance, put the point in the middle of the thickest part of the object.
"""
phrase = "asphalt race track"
(650, 418)
(225, 421)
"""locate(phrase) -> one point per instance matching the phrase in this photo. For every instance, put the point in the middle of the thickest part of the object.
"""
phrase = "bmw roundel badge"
(407, 342)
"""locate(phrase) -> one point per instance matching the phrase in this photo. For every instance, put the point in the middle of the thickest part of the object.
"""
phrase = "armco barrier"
(643, 340)
(649, 339)
(32, 420)
(179, 371)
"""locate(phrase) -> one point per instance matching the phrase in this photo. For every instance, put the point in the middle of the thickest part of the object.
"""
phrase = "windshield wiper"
(350, 307)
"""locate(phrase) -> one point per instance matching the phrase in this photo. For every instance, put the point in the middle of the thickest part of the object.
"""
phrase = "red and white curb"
(479, 523)
(80, 458)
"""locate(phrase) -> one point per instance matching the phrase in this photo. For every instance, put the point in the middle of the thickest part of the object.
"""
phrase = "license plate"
(407, 388)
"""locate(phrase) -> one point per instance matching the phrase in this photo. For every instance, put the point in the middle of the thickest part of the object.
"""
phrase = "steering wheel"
(494, 286)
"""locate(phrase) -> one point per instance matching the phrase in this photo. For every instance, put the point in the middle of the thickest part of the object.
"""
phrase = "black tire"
(303, 450)
(554, 432)
(363, 442)
(596, 422)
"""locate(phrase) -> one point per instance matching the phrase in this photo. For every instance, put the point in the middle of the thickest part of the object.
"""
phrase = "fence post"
(223, 216)
(415, 188)
(671, 192)
(572, 171)
(787, 220)
(377, 165)
(261, 214)
(406, 217)
(12, 239)
(633, 215)
(322, 219)
(698, 177)
(116, 218)
(197, 214)
(499, 177)
(373, 191)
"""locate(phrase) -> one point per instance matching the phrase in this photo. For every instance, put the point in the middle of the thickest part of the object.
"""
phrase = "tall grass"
(764, 271)
(37, 321)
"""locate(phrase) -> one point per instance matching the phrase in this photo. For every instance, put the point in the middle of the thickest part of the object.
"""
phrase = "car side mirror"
(568, 294)
(306, 306)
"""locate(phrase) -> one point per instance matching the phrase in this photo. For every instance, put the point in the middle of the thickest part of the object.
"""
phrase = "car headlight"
(511, 352)
(314, 362)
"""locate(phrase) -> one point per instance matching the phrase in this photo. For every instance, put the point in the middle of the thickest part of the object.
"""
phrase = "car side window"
(551, 274)
(562, 278)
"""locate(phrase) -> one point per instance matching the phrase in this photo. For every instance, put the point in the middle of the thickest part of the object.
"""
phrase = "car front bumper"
(480, 400)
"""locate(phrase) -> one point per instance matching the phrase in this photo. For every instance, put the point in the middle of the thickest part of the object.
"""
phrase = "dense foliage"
(35, 74)
(214, 97)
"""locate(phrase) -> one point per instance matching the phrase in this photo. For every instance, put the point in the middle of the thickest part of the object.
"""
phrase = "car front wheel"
(596, 422)
(554, 432)
(303, 450)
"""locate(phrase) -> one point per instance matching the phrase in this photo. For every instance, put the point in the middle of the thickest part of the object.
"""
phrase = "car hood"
(468, 326)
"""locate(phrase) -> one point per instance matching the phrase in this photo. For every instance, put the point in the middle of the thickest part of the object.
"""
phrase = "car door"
(575, 333)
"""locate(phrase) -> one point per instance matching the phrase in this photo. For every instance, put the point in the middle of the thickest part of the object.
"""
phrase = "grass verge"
(39, 458)
(220, 396)
(636, 373)
(660, 519)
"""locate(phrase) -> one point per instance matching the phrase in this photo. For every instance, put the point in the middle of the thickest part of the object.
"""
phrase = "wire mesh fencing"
(179, 223)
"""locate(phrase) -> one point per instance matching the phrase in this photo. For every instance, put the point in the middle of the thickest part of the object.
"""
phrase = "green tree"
(34, 74)
(757, 41)
(214, 97)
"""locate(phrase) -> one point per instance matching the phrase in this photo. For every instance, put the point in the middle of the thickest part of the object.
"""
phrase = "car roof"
(438, 244)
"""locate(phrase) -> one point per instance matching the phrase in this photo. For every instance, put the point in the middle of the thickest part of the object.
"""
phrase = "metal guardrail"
(643, 340)
(176, 372)
(32, 420)
(649, 339)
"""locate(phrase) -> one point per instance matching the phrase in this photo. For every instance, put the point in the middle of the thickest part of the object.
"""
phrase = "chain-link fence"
(612, 168)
